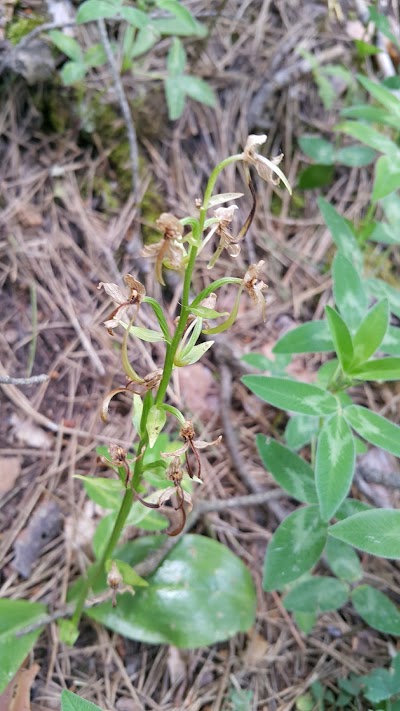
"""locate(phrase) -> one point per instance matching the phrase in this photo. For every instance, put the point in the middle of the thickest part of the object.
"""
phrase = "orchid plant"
(181, 243)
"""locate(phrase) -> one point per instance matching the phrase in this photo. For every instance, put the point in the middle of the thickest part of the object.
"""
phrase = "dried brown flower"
(267, 169)
(124, 298)
(170, 250)
(254, 287)
(187, 433)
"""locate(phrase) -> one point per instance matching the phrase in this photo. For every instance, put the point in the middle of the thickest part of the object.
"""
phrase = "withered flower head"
(152, 380)
(117, 454)
(254, 287)
(267, 169)
(170, 250)
(187, 433)
(133, 294)
(227, 241)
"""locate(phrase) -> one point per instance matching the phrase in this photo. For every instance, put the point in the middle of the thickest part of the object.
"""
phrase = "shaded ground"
(62, 233)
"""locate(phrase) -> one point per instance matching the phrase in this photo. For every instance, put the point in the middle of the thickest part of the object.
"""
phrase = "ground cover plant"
(323, 639)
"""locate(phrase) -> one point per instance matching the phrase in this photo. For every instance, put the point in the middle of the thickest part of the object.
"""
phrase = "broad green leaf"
(72, 72)
(381, 289)
(381, 94)
(341, 233)
(370, 136)
(376, 531)
(107, 493)
(343, 560)
(289, 470)
(156, 420)
(316, 595)
(387, 176)
(176, 59)
(355, 156)
(294, 548)
(292, 395)
(200, 594)
(305, 621)
(257, 360)
(95, 10)
(376, 609)
(380, 369)
(179, 26)
(341, 338)
(73, 702)
(300, 429)
(381, 684)
(391, 342)
(384, 233)
(315, 176)
(371, 332)
(14, 616)
(146, 38)
(175, 96)
(334, 467)
(310, 337)
(67, 45)
(68, 632)
(184, 15)
(364, 49)
(374, 428)
(197, 89)
(320, 150)
(348, 290)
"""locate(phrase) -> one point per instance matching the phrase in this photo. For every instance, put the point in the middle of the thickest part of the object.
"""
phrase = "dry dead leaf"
(30, 434)
(43, 527)
(10, 468)
(16, 697)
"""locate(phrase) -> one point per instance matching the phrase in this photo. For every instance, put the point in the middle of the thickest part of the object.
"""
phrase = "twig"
(32, 380)
(123, 102)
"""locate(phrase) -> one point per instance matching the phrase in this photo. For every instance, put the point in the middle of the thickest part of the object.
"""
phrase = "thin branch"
(123, 102)
(33, 380)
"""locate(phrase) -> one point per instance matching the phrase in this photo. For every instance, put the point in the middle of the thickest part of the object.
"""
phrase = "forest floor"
(67, 222)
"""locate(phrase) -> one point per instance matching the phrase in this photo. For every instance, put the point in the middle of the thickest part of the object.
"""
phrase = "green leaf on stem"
(348, 290)
(371, 332)
(68, 632)
(370, 136)
(67, 45)
(387, 176)
(316, 595)
(376, 609)
(381, 94)
(350, 507)
(320, 150)
(310, 337)
(294, 548)
(341, 338)
(14, 616)
(374, 428)
(355, 156)
(292, 395)
(107, 493)
(72, 72)
(96, 10)
(380, 369)
(155, 422)
(300, 430)
(343, 560)
(381, 289)
(223, 197)
(175, 96)
(200, 594)
(197, 89)
(176, 60)
(376, 531)
(315, 176)
(334, 468)
(193, 355)
(289, 470)
(145, 40)
(145, 334)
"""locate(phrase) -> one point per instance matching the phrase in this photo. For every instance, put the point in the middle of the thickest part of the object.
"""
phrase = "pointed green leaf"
(371, 332)
(292, 395)
(289, 470)
(374, 428)
(175, 96)
(381, 289)
(310, 337)
(155, 422)
(176, 60)
(376, 609)
(381, 94)
(380, 369)
(14, 616)
(334, 466)
(72, 72)
(341, 232)
(194, 354)
(370, 136)
(67, 45)
(73, 702)
(200, 594)
(135, 17)
(146, 38)
(343, 560)
(305, 621)
(341, 338)
(145, 334)
(107, 493)
(294, 548)
(355, 156)
(300, 430)
(376, 531)
(95, 10)
(316, 595)
(198, 89)
(348, 290)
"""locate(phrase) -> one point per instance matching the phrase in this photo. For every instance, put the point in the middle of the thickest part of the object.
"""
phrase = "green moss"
(20, 27)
